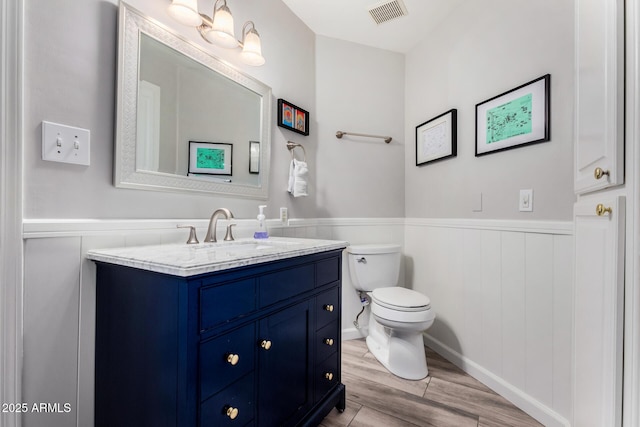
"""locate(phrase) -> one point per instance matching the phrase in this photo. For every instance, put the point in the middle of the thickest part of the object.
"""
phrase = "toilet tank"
(374, 266)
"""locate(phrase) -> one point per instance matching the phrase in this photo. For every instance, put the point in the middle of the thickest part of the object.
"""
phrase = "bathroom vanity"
(244, 333)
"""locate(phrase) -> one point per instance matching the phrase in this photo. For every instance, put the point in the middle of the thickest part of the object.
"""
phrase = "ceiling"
(350, 20)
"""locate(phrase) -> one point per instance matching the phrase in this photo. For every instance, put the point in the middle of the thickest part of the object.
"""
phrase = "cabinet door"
(598, 311)
(599, 113)
(284, 381)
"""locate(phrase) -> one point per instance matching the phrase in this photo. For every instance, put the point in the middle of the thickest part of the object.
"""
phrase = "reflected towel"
(298, 173)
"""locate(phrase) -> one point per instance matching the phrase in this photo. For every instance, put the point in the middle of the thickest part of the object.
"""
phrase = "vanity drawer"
(217, 358)
(284, 284)
(218, 410)
(327, 375)
(326, 340)
(328, 271)
(327, 307)
(222, 303)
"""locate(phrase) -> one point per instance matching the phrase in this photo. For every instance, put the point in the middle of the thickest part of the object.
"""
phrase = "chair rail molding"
(11, 16)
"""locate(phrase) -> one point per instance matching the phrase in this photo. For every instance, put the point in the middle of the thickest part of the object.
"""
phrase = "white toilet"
(398, 315)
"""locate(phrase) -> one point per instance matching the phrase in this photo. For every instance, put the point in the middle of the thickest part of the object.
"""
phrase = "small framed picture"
(210, 158)
(254, 157)
(293, 117)
(436, 138)
(515, 118)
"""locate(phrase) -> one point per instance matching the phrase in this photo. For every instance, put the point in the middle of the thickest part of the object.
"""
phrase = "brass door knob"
(328, 375)
(328, 341)
(233, 359)
(601, 210)
(599, 173)
(232, 412)
(266, 344)
(328, 307)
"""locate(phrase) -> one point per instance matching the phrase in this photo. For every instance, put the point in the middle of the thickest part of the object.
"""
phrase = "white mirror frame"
(131, 24)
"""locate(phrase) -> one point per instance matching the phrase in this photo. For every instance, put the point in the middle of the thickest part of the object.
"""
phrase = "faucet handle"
(193, 239)
(229, 235)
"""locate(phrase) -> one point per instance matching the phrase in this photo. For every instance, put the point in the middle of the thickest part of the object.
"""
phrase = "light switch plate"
(66, 144)
(526, 200)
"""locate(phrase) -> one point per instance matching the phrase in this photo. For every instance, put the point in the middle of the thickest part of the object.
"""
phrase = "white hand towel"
(292, 178)
(298, 173)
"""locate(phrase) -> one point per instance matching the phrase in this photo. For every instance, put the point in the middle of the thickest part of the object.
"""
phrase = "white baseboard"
(352, 334)
(522, 400)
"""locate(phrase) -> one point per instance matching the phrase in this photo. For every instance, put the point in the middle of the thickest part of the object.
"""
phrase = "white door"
(599, 114)
(598, 310)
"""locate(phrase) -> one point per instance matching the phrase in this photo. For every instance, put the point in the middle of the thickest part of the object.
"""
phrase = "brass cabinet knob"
(266, 344)
(328, 341)
(328, 375)
(232, 412)
(599, 173)
(233, 359)
(601, 210)
(328, 307)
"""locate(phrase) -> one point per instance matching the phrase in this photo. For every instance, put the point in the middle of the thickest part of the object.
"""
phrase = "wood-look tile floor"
(447, 397)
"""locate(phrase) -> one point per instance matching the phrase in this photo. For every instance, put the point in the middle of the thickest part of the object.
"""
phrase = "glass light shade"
(185, 12)
(221, 32)
(252, 49)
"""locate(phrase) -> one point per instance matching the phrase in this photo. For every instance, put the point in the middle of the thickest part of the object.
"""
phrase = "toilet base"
(401, 352)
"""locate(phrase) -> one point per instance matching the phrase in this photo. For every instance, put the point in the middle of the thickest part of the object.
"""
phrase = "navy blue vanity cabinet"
(250, 346)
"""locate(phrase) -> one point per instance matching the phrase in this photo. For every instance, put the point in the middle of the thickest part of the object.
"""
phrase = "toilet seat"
(401, 299)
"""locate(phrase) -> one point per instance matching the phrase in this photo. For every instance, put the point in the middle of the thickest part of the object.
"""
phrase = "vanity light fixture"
(219, 28)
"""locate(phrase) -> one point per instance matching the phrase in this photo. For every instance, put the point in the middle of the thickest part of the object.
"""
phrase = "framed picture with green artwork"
(210, 158)
(515, 118)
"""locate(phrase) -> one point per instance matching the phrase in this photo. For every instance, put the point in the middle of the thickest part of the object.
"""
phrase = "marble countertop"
(190, 260)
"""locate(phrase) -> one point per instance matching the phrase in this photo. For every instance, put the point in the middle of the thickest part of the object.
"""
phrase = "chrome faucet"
(213, 222)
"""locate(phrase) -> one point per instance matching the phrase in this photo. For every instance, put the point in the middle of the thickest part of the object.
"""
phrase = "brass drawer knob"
(266, 344)
(328, 307)
(233, 359)
(601, 210)
(599, 173)
(328, 341)
(232, 412)
(328, 375)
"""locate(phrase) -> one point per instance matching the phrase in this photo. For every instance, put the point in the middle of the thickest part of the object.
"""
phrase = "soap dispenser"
(261, 232)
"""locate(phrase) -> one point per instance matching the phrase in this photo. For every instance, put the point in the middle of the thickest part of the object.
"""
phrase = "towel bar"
(292, 145)
(340, 134)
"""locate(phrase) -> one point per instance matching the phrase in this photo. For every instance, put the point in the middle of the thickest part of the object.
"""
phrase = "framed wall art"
(515, 118)
(293, 117)
(210, 158)
(436, 138)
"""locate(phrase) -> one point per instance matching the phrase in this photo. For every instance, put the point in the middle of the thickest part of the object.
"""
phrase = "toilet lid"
(401, 299)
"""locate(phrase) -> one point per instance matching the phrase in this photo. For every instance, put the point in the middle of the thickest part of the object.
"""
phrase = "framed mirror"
(185, 120)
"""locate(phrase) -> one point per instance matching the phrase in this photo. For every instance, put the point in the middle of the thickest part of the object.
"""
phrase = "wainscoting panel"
(503, 304)
(60, 295)
(502, 291)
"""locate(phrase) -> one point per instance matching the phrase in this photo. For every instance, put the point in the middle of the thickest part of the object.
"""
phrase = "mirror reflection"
(187, 121)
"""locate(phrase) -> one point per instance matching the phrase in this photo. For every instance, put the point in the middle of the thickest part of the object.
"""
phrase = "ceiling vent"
(388, 10)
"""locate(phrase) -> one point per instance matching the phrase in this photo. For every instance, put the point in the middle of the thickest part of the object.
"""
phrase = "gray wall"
(484, 49)
(359, 89)
(70, 78)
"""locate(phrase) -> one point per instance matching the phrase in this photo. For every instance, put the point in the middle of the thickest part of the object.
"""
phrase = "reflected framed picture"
(292, 117)
(436, 138)
(254, 157)
(515, 118)
(210, 158)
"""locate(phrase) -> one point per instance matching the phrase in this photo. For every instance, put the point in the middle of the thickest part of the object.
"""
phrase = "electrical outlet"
(526, 201)
(284, 216)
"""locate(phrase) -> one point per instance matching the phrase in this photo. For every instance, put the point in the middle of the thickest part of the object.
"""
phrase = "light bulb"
(221, 32)
(252, 49)
(185, 12)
